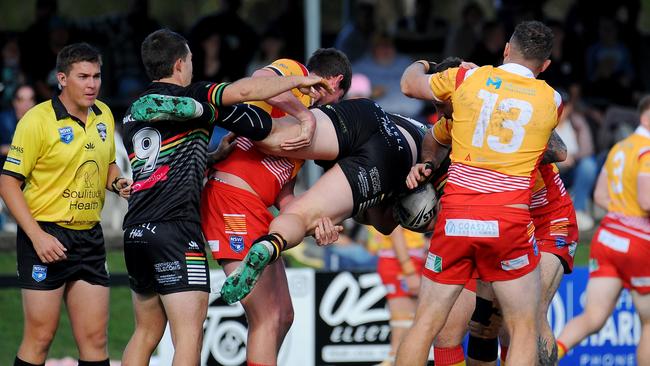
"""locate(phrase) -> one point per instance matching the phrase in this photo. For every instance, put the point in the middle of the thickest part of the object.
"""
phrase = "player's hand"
(226, 146)
(123, 186)
(418, 174)
(413, 283)
(314, 86)
(307, 129)
(468, 65)
(48, 248)
(326, 232)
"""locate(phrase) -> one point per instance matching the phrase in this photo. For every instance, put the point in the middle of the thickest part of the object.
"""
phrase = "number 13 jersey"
(503, 118)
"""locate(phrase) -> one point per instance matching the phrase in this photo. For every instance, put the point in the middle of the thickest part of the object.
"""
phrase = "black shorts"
(373, 153)
(166, 257)
(86, 259)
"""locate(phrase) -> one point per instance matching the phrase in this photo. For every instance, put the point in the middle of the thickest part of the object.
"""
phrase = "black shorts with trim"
(86, 259)
(373, 153)
(166, 257)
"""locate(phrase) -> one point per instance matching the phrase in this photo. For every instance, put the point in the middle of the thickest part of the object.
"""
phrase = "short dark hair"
(447, 63)
(76, 52)
(533, 40)
(330, 62)
(160, 50)
(644, 104)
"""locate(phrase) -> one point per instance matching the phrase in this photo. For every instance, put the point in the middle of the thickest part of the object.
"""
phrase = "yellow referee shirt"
(63, 162)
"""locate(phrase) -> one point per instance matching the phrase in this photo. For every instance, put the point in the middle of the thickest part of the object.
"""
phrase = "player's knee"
(286, 319)
(94, 339)
(39, 339)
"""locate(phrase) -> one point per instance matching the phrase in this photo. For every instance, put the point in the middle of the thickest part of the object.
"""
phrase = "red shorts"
(390, 271)
(497, 242)
(557, 233)
(231, 219)
(622, 252)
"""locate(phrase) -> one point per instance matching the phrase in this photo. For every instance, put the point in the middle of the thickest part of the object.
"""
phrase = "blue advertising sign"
(615, 344)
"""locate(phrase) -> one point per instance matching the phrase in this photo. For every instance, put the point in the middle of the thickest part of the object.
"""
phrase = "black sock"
(105, 362)
(277, 244)
(19, 362)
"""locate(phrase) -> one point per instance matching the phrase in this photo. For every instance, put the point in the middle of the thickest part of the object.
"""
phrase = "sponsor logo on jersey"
(472, 228)
(39, 273)
(515, 263)
(90, 146)
(495, 82)
(66, 134)
(593, 265)
(18, 149)
(434, 263)
(101, 130)
(192, 245)
(13, 160)
(237, 243)
(572, 249)
(614, 242)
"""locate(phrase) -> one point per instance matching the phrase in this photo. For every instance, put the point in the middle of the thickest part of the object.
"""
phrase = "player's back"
(625, 162)
(503, 118)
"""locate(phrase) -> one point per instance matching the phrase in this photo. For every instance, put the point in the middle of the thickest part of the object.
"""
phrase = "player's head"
(530, 44)
(444, 108)
(78, 73)
(334, 66)
(644, 111)
(165, 54)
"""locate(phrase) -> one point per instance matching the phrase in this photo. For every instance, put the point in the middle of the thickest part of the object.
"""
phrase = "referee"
(61, 162)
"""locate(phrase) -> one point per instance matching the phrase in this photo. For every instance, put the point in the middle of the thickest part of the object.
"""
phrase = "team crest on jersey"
(39, 273)
(101, 130)
(237, 243)
(66, 134)
(560, 242)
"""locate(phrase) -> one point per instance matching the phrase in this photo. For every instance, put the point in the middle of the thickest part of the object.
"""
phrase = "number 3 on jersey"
(516, 126)
(146, 145)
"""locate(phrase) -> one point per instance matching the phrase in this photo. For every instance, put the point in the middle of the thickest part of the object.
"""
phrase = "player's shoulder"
(39, 114)
(287, 67)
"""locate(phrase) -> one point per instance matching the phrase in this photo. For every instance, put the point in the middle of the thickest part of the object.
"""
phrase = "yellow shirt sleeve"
(443, 83)
(442, 131)
(644, 163)
(25, 146)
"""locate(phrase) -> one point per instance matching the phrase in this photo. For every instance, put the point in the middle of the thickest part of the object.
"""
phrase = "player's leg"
(41, 311)
(486, 320)
(331, 196)
(89, 323)
(186, 312)
(448, 349)
(150, 322)
(551, 275)
(434, 304)
(602, 293)
(520, 315)
(642, 306)
(269, 313)
(402, 311)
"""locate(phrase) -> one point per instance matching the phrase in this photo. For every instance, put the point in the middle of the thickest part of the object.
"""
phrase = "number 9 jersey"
(503, 118)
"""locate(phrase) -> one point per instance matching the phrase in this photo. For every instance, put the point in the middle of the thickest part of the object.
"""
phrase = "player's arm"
(555, 150)
(434, 151)
(643, 181)
(601, 194)
(266, 87)
(288, 103)
(415, 81)
(116, 183)
(400, 247)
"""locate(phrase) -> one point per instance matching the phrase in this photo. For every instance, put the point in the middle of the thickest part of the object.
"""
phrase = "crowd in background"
(596, 63)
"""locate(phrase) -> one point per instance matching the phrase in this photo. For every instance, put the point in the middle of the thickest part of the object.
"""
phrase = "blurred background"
(599, 65)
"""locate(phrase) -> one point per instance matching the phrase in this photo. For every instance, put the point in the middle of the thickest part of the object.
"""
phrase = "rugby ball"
(417, 208)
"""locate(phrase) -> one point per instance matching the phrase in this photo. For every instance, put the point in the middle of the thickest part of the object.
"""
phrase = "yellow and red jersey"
(266, 174)
(549, 193)
(626, 161)
(383, 245)
(502, 120)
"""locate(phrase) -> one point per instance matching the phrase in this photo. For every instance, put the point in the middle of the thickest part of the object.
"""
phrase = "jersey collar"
(62, 113)
(518, 69)
(643, 131)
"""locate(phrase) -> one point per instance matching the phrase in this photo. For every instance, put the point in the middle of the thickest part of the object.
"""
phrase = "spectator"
(579, 170)
(11, 74)
(360, 87)
(489, 51)
(354, 38)
(384, 67)
(463, 38)
(565, 71)
(272, 47)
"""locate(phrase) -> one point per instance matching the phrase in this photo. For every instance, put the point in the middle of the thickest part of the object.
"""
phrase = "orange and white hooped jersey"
(266, 174)
(383, 245)
(502, 120)
(626, 161)
(549, 192)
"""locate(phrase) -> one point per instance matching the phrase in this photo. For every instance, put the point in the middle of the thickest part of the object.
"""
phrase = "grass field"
(121, 314)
